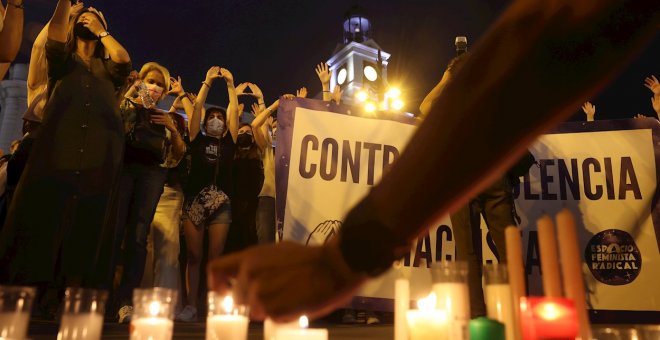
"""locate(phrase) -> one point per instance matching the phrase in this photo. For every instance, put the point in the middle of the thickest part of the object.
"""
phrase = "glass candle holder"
(428, 321)
(15, 307)
(82, 314)
(499, 301)
(153, 311)
(226, 320)
(451, 289)
(548, 318)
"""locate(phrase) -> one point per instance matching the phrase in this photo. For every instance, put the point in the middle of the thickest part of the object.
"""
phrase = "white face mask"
(214, 127)
(155, 91)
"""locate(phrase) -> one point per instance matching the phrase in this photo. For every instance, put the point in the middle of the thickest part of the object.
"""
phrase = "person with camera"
(153, 145)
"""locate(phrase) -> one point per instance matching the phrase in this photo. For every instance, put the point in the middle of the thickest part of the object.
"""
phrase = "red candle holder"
(548, 318)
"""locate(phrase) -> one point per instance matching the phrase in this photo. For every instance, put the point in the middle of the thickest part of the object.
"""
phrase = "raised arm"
(427, 103)
(195, 120)
(57, 29)
(323, 72)
(117, 52)
(12, 31)
(232, 108)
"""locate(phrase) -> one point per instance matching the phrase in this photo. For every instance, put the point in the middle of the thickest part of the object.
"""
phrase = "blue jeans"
(140, 188)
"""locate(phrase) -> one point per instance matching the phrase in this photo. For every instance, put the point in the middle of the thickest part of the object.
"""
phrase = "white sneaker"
(125, 314)
(188, 314)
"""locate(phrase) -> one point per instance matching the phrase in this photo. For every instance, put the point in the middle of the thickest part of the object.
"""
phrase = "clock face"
(341, 76)
(370, 73)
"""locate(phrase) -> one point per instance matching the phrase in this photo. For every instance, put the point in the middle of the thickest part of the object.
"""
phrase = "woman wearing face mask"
(58, 230)
(153, 145)
(212, 157)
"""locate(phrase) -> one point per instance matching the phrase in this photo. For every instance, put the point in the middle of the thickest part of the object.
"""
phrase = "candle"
(571, 262)
(427, 322)
(401, 306)
(81, 326)
(14, 325)
(548, 318)
(151, 328)
(453, 298)
(225, 322)
(302, 333)
(516, 273)
(549, 262)
(499, 306)
(271, 327)
(486, 329)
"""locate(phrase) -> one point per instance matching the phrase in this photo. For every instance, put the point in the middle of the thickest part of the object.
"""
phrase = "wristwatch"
(104, 34)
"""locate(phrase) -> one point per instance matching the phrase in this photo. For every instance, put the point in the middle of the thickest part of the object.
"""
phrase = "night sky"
(276, 44)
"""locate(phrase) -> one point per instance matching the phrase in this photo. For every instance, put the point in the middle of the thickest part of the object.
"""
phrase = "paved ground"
(48, 330)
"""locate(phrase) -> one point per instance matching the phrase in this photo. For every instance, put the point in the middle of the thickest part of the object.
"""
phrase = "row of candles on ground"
(83, 310)
(560, 314)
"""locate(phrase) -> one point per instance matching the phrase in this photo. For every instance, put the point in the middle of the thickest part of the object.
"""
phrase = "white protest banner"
(604, 172)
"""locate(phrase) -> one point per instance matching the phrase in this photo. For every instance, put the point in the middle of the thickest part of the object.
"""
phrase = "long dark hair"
(71, 44)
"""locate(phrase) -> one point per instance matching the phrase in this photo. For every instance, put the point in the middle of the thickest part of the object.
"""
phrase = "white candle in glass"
(427, 322)
(271, 327)
(453, 297)
(499, 306)
(85, 326)
(401, 306)
(302, 333)
(151, 329)
(227, 326)
(14, 325)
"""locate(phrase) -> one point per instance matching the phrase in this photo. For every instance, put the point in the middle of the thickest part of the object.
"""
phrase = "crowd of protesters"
(115, 176)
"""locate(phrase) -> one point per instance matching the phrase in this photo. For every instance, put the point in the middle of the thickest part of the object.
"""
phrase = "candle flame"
(154, 308)
(549, 311)
(228, 304)
(303, 322)
(427, 303)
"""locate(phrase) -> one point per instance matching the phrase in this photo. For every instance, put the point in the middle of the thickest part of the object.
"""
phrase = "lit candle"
(401, 306)
(548, 318)
(227, 326)
(302, 333)
(516, 273)
(81, 326)
(427, 322)
(152, 327)
(549, 262)
(571, 262)
(271, 327)
(14, 325)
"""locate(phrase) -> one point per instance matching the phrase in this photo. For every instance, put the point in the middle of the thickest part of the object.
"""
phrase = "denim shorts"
(221, 216)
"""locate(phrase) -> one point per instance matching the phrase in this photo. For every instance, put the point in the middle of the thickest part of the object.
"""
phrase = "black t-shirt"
(204, 152)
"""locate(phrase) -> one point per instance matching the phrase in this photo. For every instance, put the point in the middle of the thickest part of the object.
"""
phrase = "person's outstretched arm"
(12, 31)
(551, 55)
(232, 108)
(195, 121)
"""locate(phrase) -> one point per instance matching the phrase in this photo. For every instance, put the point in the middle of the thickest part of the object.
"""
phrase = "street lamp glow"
(393, 92)
(397, 104)
(370, 107)
(361, 95)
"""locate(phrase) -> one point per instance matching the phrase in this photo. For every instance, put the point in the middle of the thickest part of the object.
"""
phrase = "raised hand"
(336, 94)
(302, 93)
(229, 78)
(176, 87)
(212, 74)
(655, 102)
(240, 89)
(255, 109)
(323, 72)
(639, 116)
(590, 110)
(256, 91)
(76, 9)
(652, 84)
(289, 96)
(93, 23)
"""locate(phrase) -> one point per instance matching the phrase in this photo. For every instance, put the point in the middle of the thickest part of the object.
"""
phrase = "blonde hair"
(154, 66)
